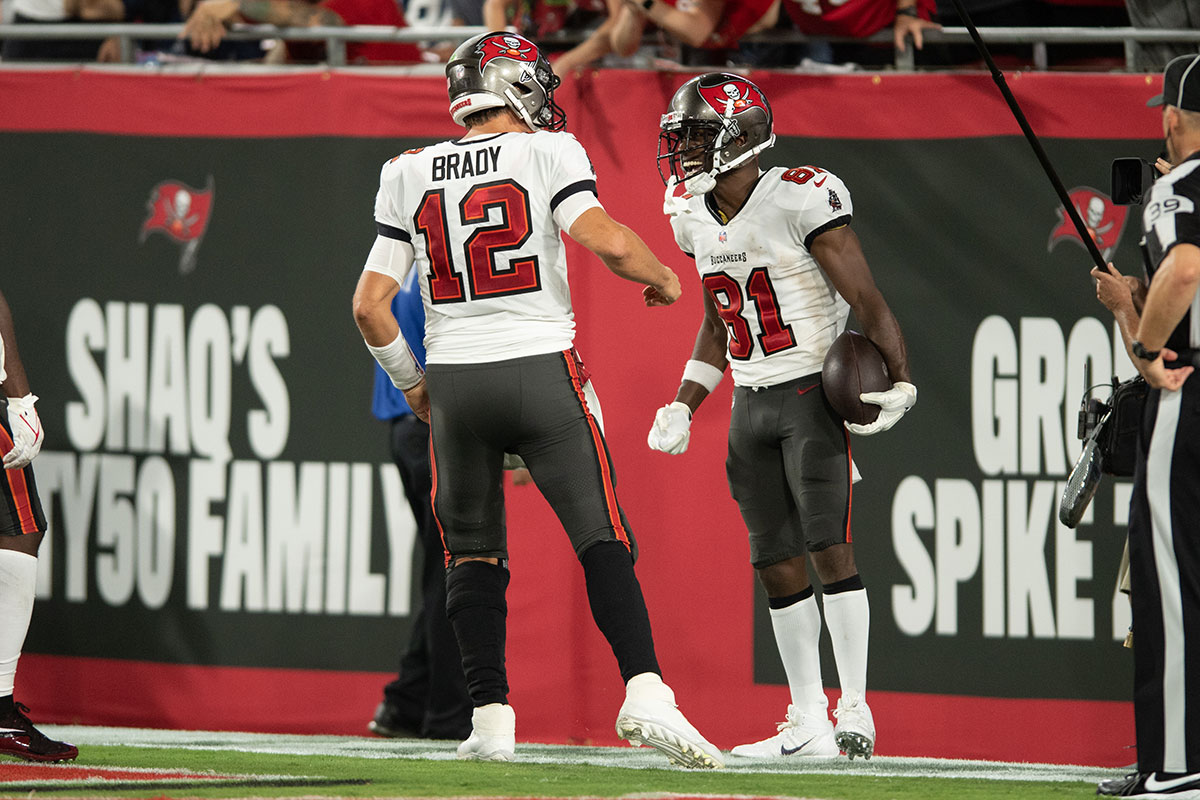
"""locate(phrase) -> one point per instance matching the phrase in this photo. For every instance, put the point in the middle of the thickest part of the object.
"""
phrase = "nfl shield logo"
(721, 237)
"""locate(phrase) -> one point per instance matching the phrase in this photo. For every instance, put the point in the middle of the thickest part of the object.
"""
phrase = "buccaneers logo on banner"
(181, 213)
(1104, 221)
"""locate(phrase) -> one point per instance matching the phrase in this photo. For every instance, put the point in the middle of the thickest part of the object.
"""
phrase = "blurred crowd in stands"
(583, 33)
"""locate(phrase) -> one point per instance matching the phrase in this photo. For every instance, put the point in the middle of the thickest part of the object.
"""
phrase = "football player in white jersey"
(22, 527)
(480, 218)
(781, 270)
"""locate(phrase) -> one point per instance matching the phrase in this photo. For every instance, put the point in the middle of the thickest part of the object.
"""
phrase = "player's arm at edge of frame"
(840, 255)
(626, 255)
(709, 349)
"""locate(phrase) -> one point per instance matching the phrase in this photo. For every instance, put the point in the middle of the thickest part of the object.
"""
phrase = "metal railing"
(336, 38)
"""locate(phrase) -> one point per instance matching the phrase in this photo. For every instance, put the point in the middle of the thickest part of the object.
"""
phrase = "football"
(852, 366)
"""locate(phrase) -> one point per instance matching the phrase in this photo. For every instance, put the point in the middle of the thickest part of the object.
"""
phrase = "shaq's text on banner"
(156, 491)
(994, 530)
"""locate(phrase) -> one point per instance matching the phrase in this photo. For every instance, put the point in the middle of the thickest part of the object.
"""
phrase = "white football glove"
(892, 403)
(26, 431)
(671, 429)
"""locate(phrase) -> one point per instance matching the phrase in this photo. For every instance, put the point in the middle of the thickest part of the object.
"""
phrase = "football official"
(1164, 537)
(781, 270)
(481, 220)
(22, 526)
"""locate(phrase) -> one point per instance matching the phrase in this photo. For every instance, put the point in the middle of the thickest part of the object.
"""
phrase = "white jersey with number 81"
(781, 310)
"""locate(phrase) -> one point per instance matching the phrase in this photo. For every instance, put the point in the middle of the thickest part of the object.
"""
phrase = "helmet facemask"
(690, 151)
(533, 98)
(710, 129)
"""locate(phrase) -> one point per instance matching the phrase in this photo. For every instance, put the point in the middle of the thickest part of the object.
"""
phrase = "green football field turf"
(334, 766)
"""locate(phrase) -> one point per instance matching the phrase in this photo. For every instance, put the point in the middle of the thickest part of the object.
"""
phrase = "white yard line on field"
(643, 758)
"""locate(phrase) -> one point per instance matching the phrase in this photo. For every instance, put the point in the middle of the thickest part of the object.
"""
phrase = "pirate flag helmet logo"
(735, 95)
(509, 46)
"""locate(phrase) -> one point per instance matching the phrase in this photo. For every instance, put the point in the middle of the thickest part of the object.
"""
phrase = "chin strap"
(674, 205)
(702, 183)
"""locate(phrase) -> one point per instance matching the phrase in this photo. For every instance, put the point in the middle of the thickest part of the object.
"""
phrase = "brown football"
(852, 366)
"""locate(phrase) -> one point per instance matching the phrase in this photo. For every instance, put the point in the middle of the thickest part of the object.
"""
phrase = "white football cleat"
(855, 731)
(802, 734)
(493, 734)
(649, 716)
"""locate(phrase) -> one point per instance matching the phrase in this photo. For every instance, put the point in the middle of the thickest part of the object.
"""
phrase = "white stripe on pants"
(1158, 491)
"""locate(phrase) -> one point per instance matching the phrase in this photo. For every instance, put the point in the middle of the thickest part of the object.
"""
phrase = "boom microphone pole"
(998, 77)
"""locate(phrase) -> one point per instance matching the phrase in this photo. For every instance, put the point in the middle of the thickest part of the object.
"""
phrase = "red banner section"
(334, 103)
(694, 566)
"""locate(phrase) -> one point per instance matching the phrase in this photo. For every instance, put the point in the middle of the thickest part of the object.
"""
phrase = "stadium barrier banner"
(230, 544)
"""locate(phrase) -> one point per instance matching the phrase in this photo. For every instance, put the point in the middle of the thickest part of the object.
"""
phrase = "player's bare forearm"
(625, 254)
(16, 384)
(879, 325)
(840, 255)
(709, 348)
(372, 308)
(288, 14)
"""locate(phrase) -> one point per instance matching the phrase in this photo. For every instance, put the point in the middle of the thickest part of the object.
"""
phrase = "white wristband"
(703, 373)
(398, 362)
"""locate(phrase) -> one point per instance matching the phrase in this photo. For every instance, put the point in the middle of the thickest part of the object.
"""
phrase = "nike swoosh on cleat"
(1155, 785)
(783, 751)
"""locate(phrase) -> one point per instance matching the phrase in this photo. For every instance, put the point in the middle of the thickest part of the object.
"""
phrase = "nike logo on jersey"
(1153, 784)
(783, 751)
(466, 164)
(820, 182)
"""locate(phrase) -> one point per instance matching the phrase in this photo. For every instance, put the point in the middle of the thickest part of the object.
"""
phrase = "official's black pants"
(1164, 550)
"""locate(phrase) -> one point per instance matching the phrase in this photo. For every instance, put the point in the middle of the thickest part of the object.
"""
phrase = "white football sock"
(848, 617)
(797, 634)
(18, 577)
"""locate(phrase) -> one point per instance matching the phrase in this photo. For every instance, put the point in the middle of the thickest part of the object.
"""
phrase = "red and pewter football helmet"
(503, 69)
(700, 135)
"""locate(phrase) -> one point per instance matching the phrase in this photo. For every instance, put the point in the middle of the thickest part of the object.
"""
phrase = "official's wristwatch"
(908, 11)
(1141, 352)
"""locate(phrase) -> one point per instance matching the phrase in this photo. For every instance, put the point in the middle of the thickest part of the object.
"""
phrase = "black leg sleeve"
(478, 612)
(618, 607)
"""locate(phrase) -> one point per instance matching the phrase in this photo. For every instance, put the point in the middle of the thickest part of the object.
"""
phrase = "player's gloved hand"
(513, 461)
(671, 429)
(892, 403)
(26, 431)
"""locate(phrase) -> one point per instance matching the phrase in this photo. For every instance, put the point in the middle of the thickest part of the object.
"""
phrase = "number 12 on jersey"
(482, 247)
(730, 300)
